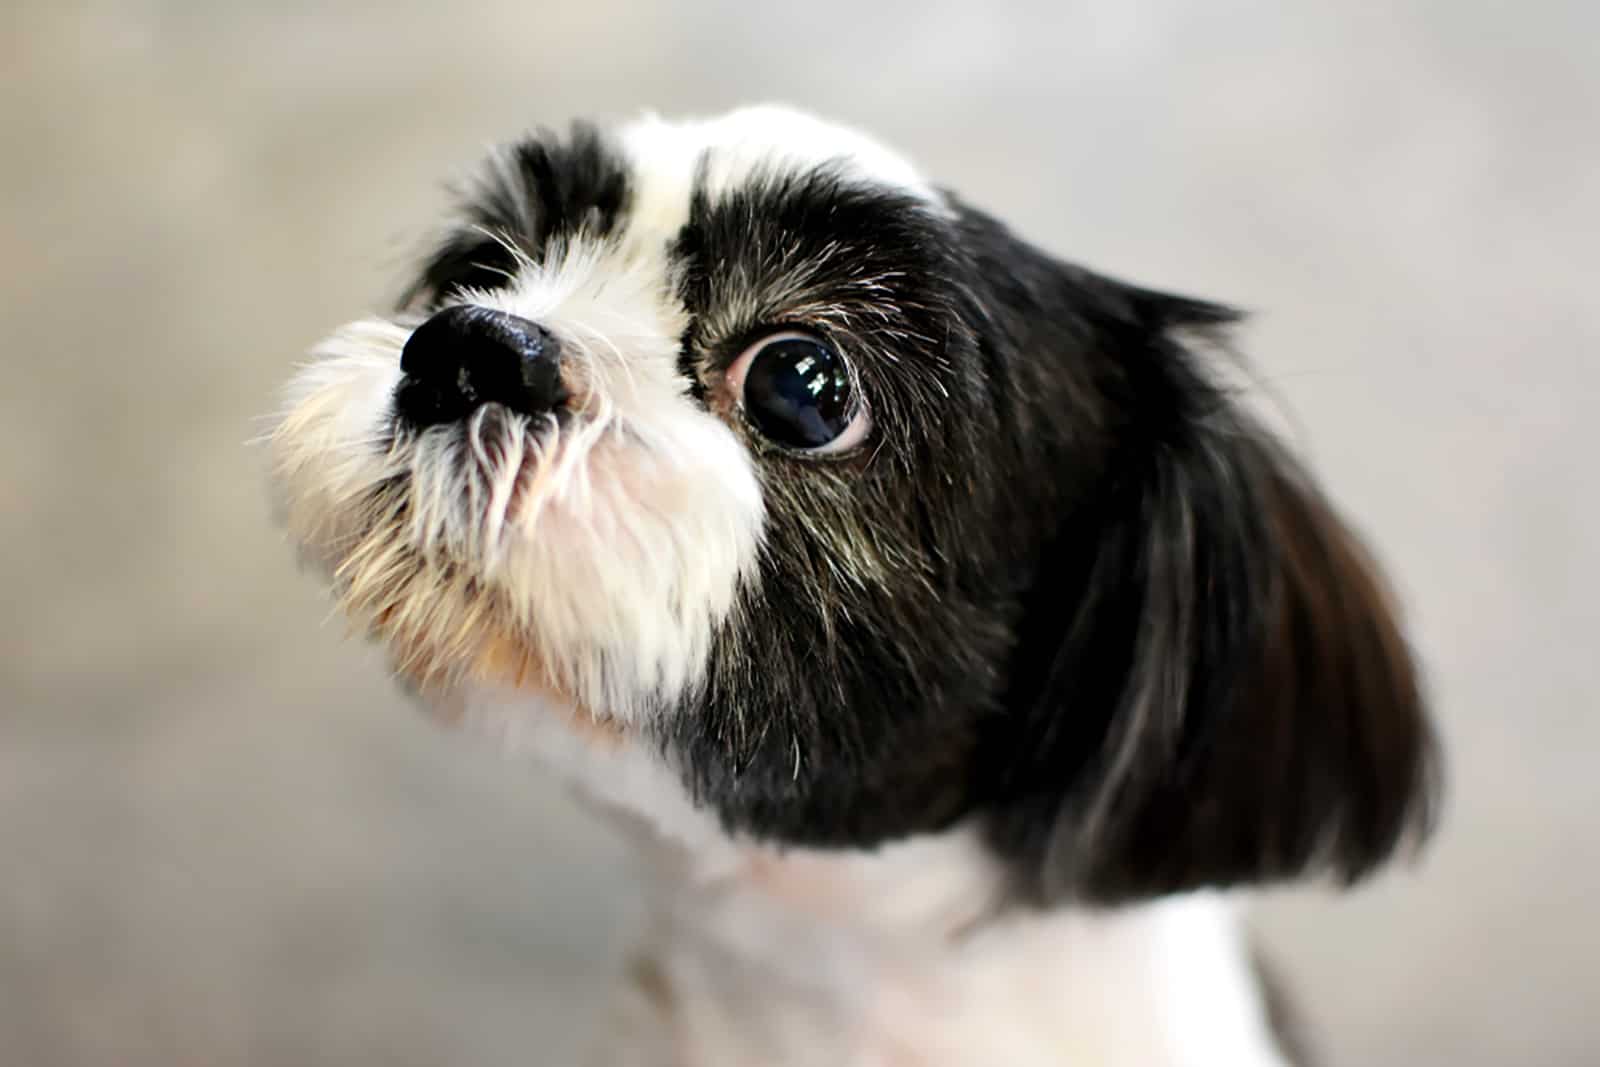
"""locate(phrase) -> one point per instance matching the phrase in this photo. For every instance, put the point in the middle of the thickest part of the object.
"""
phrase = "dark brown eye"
(796, 390)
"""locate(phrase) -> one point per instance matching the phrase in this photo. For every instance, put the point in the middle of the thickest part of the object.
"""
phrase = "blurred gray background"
(224, 839)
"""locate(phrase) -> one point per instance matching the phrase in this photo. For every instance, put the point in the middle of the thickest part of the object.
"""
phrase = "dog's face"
(740, 445)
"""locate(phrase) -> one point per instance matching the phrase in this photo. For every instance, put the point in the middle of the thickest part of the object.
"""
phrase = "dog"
(934, 608)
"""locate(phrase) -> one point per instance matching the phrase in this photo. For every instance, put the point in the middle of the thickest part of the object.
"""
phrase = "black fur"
(847, 702)
(545, 188)
(1071, 588)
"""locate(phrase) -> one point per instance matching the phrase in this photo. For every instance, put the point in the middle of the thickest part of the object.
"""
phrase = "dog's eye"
(796, 390)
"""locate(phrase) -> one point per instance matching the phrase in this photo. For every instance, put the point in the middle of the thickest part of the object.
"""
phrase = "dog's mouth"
(495, 550)
(430, 566)
(474, 486)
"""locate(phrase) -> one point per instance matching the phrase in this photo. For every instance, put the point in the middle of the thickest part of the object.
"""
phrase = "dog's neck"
(906, 956)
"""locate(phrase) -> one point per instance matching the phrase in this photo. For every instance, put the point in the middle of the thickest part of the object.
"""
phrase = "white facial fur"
(612, 545)
(743, 143)
(792, 964)
(594, 559)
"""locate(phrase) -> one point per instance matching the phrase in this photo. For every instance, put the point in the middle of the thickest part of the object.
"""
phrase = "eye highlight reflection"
(796, 390)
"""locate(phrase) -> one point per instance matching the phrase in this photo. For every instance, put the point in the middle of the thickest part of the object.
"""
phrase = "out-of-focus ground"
(224, 839)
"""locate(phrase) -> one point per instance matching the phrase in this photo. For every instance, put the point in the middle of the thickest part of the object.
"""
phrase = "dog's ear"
(1213, 687)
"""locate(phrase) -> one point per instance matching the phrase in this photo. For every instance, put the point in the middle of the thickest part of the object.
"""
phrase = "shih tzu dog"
(932, 605)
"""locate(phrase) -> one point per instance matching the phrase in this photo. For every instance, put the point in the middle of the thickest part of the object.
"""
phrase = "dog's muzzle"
(466, 357)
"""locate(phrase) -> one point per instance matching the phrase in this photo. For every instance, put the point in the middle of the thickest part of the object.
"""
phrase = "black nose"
(465, 357)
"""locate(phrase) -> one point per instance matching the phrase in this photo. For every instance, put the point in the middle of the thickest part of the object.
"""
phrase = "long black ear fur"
(1213, 687)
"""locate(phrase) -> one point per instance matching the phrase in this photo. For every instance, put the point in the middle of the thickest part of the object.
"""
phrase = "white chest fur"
(788, 966)
(894, 958)
(888, 959)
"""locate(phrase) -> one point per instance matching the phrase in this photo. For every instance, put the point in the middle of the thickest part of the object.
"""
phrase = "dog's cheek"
(326, 449)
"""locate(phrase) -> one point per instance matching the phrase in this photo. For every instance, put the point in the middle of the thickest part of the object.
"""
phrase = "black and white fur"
(949, 739)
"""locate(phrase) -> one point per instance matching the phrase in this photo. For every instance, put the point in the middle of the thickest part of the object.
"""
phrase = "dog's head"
(740, 446)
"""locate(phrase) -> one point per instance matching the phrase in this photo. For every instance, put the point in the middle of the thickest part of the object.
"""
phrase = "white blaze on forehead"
(667, 156)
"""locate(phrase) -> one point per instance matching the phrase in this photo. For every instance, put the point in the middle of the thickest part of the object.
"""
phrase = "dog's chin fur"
(1066, 627)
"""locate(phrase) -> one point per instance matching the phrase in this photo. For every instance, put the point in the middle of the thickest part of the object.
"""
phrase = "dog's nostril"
(465, 357)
